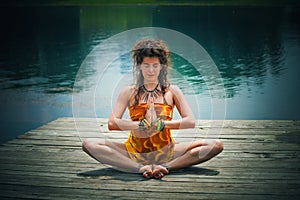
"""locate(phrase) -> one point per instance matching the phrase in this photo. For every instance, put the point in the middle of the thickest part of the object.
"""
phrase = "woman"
(150, 148)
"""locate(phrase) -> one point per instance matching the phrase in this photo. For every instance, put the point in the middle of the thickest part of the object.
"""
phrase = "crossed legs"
(185, 154)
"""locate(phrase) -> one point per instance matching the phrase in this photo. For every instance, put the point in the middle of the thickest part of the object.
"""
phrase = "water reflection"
(50, 43)
(244, 45)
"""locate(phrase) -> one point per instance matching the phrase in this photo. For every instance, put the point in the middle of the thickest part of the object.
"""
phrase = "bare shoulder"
(173, 93)
(127, 94)
(175, 90)
(127, 91)
(177, 94)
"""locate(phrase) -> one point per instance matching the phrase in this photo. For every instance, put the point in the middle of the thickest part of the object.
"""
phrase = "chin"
(153, 78)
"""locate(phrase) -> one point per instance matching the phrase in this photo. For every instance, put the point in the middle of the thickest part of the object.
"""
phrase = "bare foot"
(146, 170)
(159, 171)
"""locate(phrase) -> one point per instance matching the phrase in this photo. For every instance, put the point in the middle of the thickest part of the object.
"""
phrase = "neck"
(150, 86)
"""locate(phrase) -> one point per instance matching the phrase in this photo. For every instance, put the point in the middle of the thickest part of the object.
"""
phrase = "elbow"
(111, 125)
(189, 122)
(192, 123)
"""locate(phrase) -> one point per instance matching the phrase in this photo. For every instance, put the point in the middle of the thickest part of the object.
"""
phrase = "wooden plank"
(38, 192)
(260, 161)
(120, 185)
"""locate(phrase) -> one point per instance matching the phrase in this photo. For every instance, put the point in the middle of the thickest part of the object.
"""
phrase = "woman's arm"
(187, 117)
(115, 121)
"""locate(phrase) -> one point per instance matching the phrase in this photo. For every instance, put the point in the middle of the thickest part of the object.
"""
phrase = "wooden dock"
(261, 160)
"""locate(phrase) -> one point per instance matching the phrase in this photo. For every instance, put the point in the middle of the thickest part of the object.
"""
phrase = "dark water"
(256, 50)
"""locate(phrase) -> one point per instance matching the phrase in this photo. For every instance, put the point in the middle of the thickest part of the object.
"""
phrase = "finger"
(151, 102)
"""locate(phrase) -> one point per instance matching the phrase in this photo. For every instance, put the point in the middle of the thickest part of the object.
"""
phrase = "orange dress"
(159, 147)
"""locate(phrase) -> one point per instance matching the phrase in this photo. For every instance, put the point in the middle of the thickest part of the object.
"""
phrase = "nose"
(151, 69)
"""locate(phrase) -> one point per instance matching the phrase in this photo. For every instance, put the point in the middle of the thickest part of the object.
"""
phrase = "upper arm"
(181, 103)
(121, 104)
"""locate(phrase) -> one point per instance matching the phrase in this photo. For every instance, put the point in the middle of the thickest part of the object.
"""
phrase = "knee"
(218, 146)
(84, 145)
(87, 145)
(91, 146)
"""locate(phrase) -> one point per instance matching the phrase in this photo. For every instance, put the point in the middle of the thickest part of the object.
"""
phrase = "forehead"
(150, 60)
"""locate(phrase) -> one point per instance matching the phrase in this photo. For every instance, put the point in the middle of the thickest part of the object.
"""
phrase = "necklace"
(151, 93)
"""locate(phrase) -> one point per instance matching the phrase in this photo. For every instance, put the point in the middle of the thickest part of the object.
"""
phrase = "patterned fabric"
(159, 147)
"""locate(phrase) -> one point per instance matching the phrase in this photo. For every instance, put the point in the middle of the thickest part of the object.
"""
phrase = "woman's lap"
(179, 148)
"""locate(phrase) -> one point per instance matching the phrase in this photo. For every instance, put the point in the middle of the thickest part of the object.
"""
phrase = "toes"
(147, 174)
(158, 175)
(146, 171)
(159, 171)
(164, 170)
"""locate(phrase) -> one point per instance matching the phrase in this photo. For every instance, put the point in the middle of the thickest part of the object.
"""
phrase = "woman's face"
(150, 69)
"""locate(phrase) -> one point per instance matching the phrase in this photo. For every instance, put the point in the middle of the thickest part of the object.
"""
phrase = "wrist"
(136, 124)
(143, 124)
(160, 126)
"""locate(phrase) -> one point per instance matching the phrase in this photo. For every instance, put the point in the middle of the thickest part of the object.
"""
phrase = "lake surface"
(256, 51)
